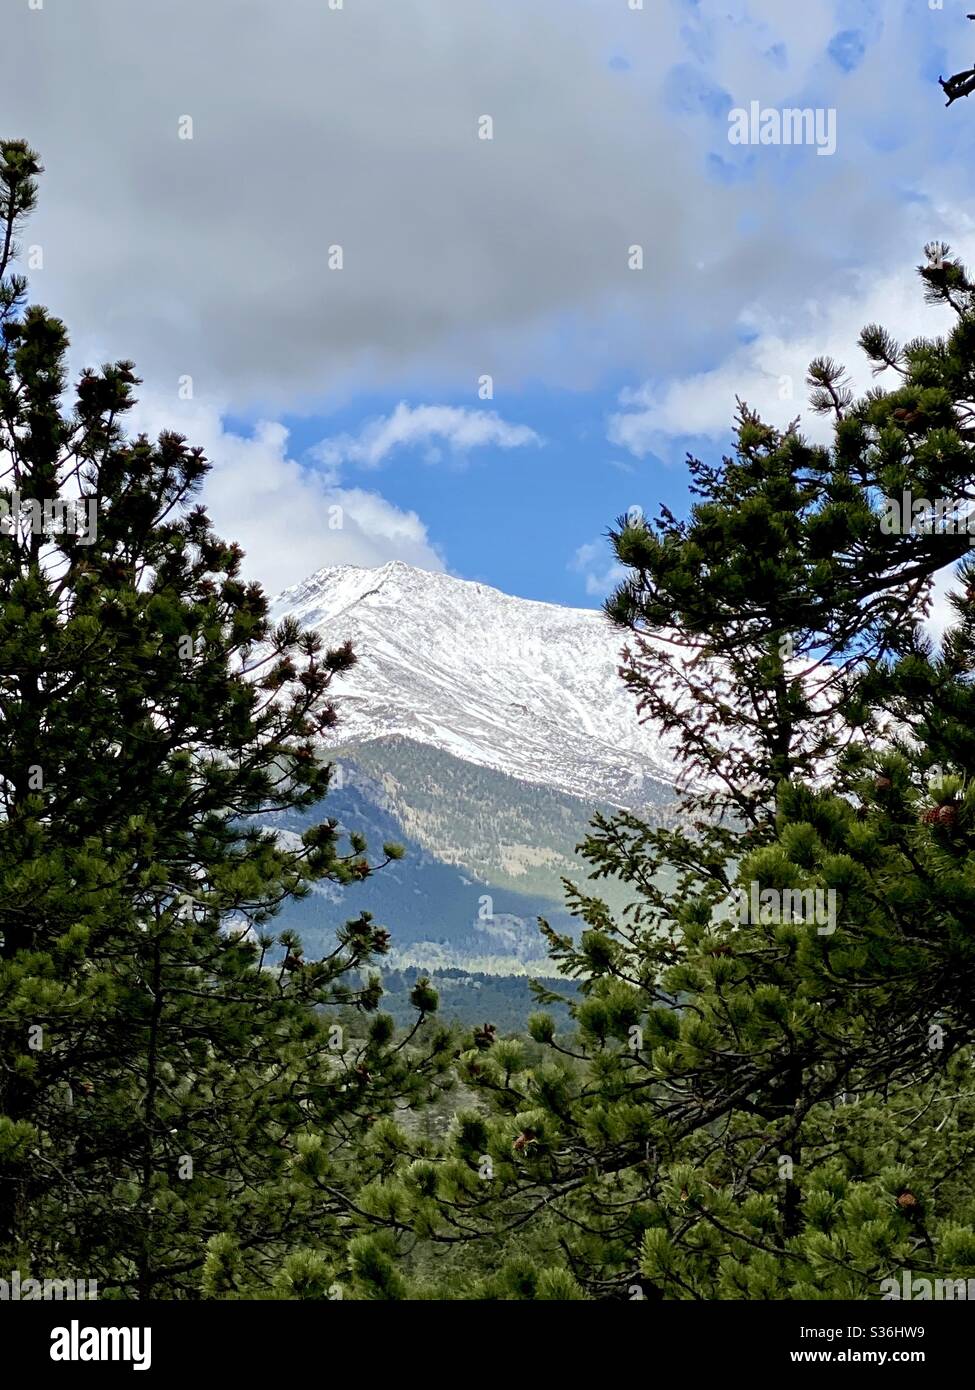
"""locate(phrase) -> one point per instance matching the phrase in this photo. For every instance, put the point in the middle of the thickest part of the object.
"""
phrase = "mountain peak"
(526, 688)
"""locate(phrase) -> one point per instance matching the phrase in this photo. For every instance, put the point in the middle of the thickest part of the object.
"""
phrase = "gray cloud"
(357, 127)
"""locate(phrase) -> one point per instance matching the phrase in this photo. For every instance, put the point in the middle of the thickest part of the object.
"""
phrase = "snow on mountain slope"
(530, 689)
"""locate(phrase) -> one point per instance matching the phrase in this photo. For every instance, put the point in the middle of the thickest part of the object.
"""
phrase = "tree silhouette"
(961, 85)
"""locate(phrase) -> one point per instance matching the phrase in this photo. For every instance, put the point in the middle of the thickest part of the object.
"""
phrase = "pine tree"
(179, 1110)
(771, 1103)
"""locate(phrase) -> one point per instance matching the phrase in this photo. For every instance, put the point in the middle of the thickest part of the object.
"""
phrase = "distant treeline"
(472, 997)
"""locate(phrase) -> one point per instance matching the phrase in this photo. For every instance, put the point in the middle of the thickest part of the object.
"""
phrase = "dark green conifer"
(179, 1109)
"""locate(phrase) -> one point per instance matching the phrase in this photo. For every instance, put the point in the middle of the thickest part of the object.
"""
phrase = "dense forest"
(749, 1078)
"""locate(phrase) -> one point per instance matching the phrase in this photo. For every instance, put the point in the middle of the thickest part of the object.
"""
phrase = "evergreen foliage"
(178, 1110)
(776, 1103)
(759, 1084)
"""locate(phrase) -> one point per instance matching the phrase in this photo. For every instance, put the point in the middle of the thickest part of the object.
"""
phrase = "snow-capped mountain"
(524, 688)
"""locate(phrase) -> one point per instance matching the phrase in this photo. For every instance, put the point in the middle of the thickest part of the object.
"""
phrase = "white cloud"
(408, 426)
(290, 520)
(769, 371)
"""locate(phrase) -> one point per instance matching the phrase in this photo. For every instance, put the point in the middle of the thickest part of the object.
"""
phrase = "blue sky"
(202, 251)
(504, 516)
